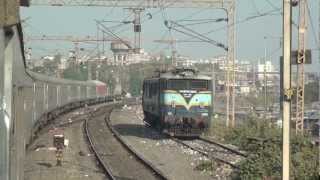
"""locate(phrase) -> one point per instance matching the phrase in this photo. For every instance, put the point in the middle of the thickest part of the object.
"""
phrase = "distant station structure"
(120, 53)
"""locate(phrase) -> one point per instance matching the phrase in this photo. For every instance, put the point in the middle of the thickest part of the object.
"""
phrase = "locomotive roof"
(178, 76)
(182, 74)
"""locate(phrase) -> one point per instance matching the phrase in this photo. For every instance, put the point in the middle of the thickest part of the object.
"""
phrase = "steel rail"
(222, 146)
(204, 153)
(105, 167)
(141, 159)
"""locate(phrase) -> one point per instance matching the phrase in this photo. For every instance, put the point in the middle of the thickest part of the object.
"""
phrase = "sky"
(253, 37)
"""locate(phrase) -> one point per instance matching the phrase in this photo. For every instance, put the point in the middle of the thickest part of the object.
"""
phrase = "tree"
(77, 72)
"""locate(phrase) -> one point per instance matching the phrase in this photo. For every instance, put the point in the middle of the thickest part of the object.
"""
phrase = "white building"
(268, 67)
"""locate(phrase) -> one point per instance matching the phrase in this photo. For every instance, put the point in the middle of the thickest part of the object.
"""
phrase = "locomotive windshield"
(178, 84)
(199, 84)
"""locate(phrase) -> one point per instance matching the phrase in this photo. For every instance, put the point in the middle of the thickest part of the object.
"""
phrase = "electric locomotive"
(178, 102)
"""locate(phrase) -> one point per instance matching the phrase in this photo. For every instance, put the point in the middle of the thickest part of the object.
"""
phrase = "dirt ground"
(171, 158)
(78, 163)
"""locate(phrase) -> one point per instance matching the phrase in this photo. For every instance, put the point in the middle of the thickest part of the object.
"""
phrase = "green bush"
(263, 144)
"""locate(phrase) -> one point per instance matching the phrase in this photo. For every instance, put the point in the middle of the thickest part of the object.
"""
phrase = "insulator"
(137, 28)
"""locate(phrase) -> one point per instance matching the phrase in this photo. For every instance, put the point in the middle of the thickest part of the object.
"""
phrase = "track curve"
(106, 154)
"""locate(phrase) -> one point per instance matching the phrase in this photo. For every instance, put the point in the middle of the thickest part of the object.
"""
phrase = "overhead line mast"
(286, 92)
(300, 66)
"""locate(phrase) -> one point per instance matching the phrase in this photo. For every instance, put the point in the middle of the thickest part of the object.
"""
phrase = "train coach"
(178, 102)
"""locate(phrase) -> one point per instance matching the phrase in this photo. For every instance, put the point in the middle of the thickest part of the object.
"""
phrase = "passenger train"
(178, 102)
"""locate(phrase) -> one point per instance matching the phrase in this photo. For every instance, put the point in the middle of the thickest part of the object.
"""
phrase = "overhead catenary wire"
(272, 5)
(193, 14)
(206, 21)
(255, 6)
(108, 31)
(196, 35)
(247, 19)
(312, 25)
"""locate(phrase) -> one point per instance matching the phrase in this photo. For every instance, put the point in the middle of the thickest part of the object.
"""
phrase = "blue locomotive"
(178, 102)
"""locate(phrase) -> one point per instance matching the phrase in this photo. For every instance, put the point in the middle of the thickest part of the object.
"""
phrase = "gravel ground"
(78, 163)
(221, 169)
(171, 158)
(122, 163)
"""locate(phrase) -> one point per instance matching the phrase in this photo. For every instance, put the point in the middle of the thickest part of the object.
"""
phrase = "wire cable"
(247, 19)
(312, 25)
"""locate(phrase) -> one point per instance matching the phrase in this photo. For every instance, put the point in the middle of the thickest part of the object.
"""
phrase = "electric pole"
(319, 46)
(230, 84)
(265, 79)
(172, 43)
(213, 79)
(300, 66)
(137, 28)
(286, 92)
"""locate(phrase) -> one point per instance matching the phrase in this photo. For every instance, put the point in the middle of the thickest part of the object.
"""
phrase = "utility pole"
(213, 79)
(98, 47)
(137, 28)
(319, 46)
(300, 66)
(230, 84)
(89, 67)
(265, 78)
(286, 92)
(173, 53)
(172, 43)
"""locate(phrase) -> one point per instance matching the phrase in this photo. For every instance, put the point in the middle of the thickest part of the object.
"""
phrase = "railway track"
(210, 149)
(223, 146)
(118, 161)
(104, 165)
(213, 150)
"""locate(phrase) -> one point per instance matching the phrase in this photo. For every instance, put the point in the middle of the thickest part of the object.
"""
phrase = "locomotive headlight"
(201, 105)
(204, 114)
(173, 104)
(169, 113)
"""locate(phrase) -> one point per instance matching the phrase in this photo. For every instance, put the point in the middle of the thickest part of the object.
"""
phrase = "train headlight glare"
(201, 105)
(169, 113)
(173, 104)
(204, 114)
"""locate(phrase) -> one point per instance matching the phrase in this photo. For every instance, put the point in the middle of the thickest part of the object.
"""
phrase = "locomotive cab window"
(199, 85)
(177, 84)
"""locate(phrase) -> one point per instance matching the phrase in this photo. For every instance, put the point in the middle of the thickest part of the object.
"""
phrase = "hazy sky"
(79, 21)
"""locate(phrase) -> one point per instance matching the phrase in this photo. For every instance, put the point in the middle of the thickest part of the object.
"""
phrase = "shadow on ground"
(138, 130)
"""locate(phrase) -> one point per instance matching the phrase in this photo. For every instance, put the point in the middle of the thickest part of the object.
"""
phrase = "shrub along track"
(117, 159)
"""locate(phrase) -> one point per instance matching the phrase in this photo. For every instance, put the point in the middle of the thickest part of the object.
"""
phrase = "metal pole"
(319, 48)
(213, 79)
(232, 55)
(3, 145)
(286, 91)
(137, 28)
(89, 67)
(230, 65)
(265, 78)
(98, 47)
(300, 66)
(6, 63)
